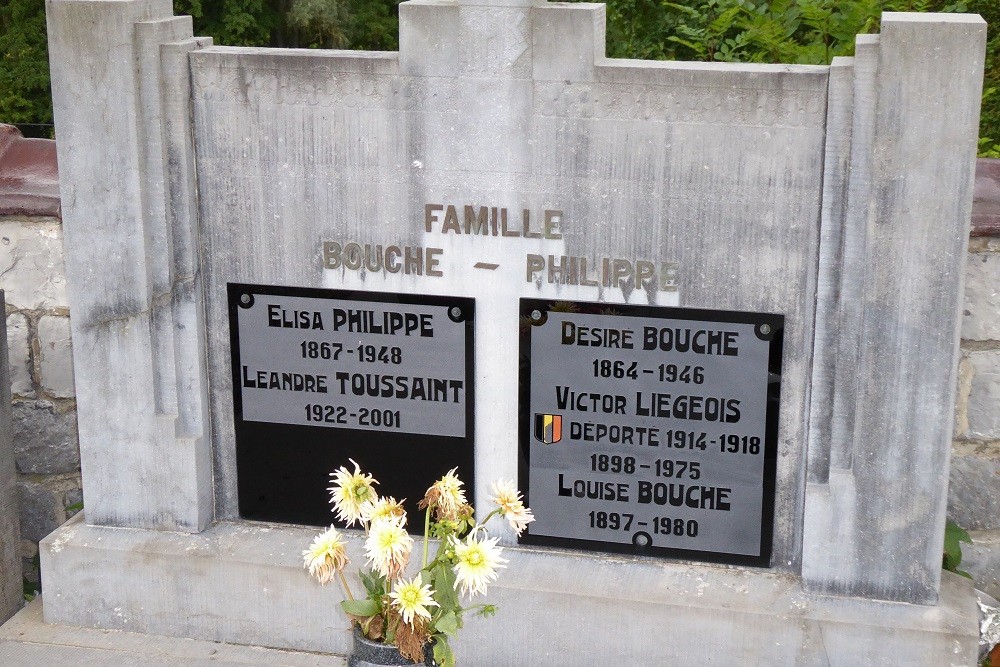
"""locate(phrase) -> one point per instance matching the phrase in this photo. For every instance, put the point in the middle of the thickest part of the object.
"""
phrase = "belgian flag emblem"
(548, 428)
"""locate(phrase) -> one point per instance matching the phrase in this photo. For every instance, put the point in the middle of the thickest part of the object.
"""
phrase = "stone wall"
(10, 534)
(41, 364)
(45, 440)
(974, 495)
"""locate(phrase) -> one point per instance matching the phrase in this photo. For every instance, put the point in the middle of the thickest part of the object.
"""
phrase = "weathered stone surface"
(41, 510)
(974, 487)
(56, 351)
(716, 167)
(981, 314)
(45, 439)
(31, 264)
(143, 469)
(677, 151)
(10, 557)
(18, 340)
(890, 503)
(983, 406)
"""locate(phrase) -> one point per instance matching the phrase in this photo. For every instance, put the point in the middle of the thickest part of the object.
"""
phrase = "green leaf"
(954, 535)
(443, 578)
(374, 583)
(442, 652)
(448, 624)
(487, 611)
(360, 608)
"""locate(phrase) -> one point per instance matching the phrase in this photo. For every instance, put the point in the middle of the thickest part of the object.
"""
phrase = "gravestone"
(11, 588)
(782, 246)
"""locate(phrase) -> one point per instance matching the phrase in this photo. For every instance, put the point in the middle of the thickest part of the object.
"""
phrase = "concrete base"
(27, 641)
(243, 583)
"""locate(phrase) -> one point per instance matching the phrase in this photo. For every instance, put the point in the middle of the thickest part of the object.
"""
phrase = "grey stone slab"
(984, 395)
(974, 487)
(10, 538)
(909, 329)
(45, 438)
(27, 640)
(31, 263)
(41, 510)
(55, 356)
(19, 355)
(981, 314)
(236, 582)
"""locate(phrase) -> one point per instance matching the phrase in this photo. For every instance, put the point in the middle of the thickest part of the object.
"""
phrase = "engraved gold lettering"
(432, 262)
(331, 254)
(476, 223)
(553, 219)
(352, 256)
(392, 254)
(429, 217)
(535, 263)
(527, 227)
(413, 260)
(451, 221)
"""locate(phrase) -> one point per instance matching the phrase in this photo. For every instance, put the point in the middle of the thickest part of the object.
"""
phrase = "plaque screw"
(536, 315)
(245, 298)
(765, 329)
(455, 312)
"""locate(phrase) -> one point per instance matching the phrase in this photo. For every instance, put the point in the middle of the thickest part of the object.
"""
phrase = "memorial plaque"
(323, 376)
(650, 430)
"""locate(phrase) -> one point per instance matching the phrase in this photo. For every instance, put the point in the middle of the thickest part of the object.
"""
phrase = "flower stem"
(490, 516)
(427, 531)
(347, 588)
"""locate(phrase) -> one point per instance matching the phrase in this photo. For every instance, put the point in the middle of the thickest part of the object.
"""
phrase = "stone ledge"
(244, 583)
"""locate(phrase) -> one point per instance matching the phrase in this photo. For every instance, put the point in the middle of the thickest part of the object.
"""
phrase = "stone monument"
(499, 160)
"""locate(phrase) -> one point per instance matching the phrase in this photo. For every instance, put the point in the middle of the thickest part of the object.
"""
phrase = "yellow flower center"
(475, 559)
(360, 492)
(410, 596)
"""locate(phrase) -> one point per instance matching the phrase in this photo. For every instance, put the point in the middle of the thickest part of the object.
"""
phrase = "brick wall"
(46, 452)
(974, 494)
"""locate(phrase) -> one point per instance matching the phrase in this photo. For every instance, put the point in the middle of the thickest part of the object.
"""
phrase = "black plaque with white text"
(322, 376)
(650, 430)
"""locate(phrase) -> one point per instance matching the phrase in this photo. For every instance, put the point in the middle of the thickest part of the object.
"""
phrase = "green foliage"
(24, 63)
(775, 31)
(361, 608)
(321, 22)
(989, 121)
(783, 31)
(342, 24)
(31, 590)
(952, 558)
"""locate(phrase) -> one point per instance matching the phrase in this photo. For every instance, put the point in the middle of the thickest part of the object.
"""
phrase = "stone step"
(26, 640)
